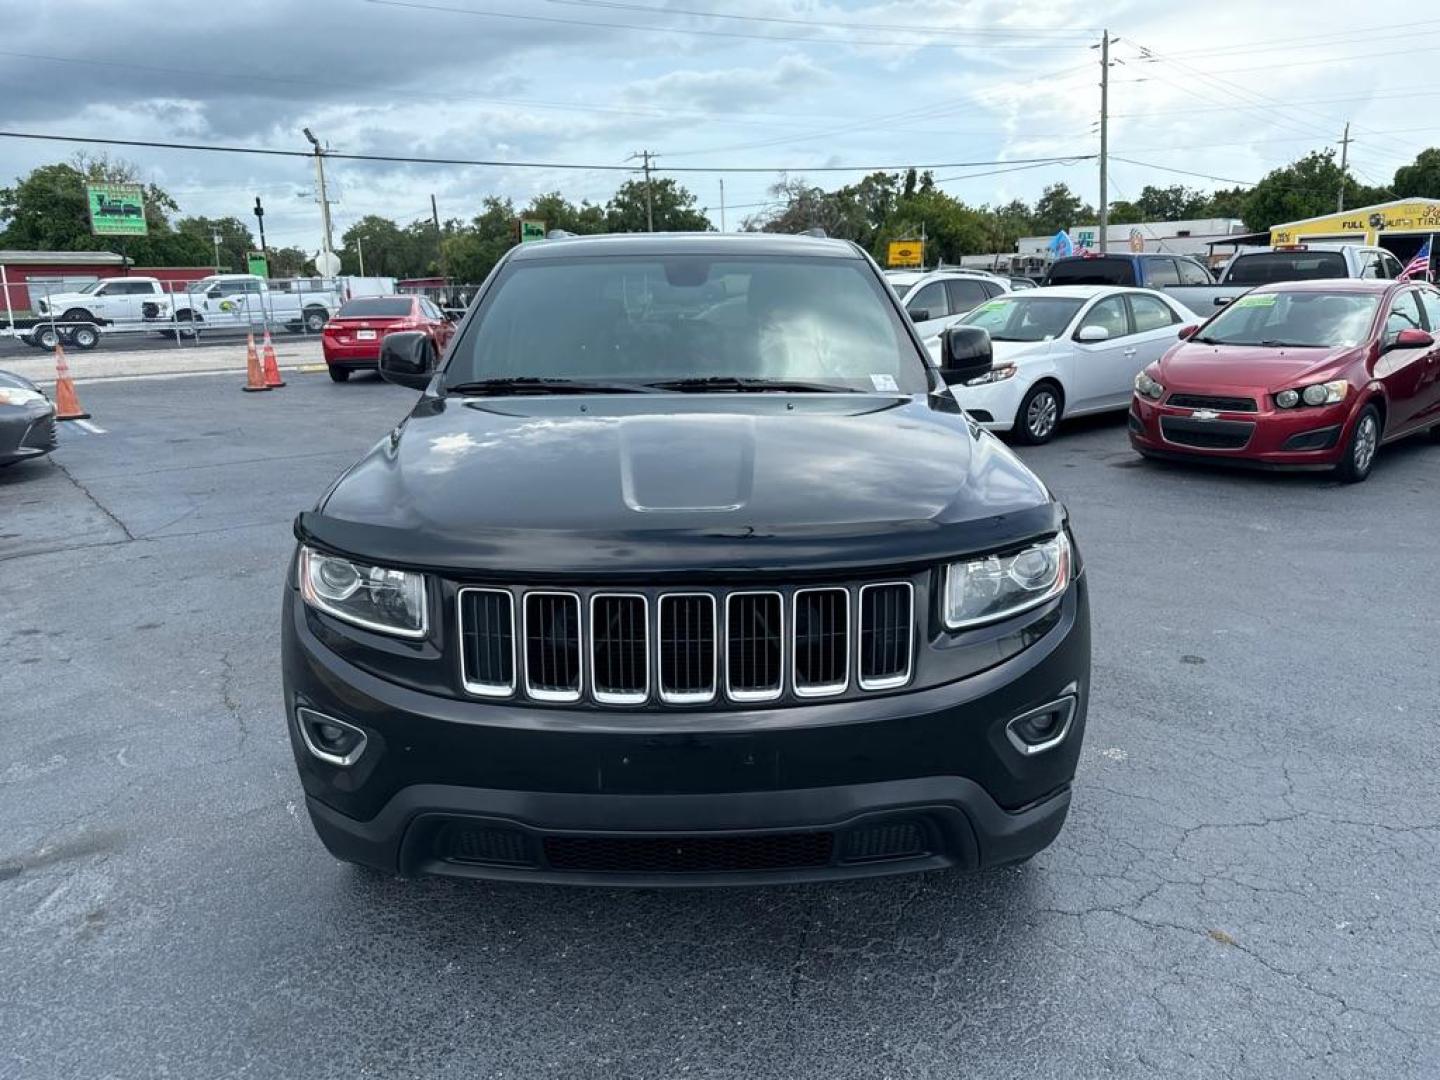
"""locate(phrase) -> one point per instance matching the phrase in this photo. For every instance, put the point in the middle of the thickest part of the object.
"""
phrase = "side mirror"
(407, 359)
(918, 314)
(1187, 332)
(1414, 338)
(1093, 333)
(965, 354)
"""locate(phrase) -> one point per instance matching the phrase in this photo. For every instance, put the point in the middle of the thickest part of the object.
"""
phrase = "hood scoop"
(705, 464)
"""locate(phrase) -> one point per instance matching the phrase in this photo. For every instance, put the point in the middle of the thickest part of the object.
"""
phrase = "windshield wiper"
(1273, 344)
(535, 384)
(741, 384)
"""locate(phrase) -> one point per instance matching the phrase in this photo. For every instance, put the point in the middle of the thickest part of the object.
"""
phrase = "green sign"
(256, 264)
(531, 230)
(116, 209)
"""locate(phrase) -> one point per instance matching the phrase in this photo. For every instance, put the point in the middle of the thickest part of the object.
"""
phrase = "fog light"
(1041, 729)
(332, 741)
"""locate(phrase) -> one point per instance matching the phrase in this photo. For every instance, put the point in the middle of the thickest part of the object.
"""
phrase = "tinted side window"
(1192, 273)
(930, 300)
(1392, 266)
(1109, 313)
(1372, 266)
(1161, 272)
(1265, 267)
(1150, 313)
(965, 295)
(1404, 315)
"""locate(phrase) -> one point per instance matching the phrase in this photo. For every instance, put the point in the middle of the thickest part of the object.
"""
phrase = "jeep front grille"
(692, 647)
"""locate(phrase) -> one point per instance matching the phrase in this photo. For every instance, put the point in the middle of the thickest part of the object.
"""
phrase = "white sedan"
(935, 299)
(1066, 351)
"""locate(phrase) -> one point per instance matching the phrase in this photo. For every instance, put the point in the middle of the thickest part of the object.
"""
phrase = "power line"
(1027, 32)
(404, 160)
(552, 19)
(1183, 172)
(1304, 101)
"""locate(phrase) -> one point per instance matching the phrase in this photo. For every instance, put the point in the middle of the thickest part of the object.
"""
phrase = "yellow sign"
(1364, 224)
(906, 253)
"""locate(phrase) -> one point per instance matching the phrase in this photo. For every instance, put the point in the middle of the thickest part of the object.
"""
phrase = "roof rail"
(815, 231)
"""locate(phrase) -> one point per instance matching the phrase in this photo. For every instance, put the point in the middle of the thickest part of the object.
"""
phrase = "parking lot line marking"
(310, 369)
(92, 428)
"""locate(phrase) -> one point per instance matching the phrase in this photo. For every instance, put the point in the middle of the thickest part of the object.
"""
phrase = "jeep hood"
(628, 484)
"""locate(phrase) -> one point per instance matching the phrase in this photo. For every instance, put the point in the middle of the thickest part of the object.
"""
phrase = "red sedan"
(351, 341)
(1304, 374)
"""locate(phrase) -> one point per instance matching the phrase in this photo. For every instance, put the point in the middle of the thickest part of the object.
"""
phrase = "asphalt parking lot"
(1246, 885)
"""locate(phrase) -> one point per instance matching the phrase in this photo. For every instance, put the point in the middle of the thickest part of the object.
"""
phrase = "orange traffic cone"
(67, 405)
(270, 364)
(254, 377)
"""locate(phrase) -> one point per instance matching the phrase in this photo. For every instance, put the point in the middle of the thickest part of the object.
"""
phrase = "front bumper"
(1300, 438)
(26, 431)
(993, 405)
(853, 788)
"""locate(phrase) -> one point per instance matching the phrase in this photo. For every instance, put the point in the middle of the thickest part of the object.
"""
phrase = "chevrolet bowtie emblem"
(1205, 414)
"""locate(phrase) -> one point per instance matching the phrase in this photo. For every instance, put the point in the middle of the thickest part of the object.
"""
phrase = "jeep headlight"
(997, 586)
(375, 597)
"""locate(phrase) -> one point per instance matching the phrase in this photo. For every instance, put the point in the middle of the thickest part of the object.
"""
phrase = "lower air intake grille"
(754, 646)
(885, 635)
(1206, 434)
(1208, 401)
(687, 647)
(457, 842)
(873, 843)
(552, 646)
(689, 854)
(487, 636)
(822, 641)
(619, 657)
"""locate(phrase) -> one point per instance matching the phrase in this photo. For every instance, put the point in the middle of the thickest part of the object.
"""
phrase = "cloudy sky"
(1225, 88)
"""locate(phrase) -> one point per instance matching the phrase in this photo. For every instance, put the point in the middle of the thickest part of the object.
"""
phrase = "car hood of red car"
(1195, 365)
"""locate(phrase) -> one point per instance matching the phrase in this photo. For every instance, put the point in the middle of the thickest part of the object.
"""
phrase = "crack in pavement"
(91, 496)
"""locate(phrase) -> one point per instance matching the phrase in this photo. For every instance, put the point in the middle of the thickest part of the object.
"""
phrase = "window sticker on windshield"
(990, 305)
(1257, 300)
(886, 384)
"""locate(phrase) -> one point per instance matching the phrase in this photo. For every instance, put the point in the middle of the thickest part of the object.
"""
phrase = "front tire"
(1039, 414)
(46, 337)
(1361, 448)
(339, 374)
(315, 320)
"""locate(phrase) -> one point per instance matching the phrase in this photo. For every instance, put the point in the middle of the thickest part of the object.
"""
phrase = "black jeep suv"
(686, 567)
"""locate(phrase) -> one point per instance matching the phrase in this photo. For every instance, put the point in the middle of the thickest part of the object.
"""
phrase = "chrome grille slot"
(553, 659)
(619, 648)
(687, 655)
(886, 635)
(820, 655)
(487, 641)
(754, 646)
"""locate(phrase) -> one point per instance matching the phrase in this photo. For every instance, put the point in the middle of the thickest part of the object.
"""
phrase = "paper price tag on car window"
(886, 384)
(1257, 300)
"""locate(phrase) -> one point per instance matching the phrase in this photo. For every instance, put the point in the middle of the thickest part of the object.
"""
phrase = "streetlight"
(215, 236)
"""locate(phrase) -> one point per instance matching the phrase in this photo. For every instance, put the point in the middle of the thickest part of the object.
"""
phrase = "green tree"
(290, 262)
(388, 250)
(236, 241)
(1174, 203)
(1060, 208)
(673, 208)
(1125, 212)
(1421, 178)
(1302, 189)
(1227, 203)
(472, 252)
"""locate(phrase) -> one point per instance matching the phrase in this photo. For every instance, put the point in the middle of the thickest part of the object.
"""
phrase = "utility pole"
(439, 244)
(722, 204)
(645, 156)
(329, 244)
(1104, 140)
(1345, 142)
(360, 251)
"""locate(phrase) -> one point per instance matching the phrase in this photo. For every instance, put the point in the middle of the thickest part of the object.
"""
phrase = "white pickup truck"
(103, 303)
(232, 301)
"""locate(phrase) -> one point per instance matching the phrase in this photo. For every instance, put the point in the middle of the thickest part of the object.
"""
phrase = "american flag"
(1419, 266)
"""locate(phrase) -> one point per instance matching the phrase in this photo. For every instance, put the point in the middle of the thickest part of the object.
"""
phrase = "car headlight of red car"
(1327, 393)
(1145, 386)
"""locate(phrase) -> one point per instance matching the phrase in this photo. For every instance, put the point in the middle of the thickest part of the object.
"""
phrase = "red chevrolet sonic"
(351, 341)
(1303, 374)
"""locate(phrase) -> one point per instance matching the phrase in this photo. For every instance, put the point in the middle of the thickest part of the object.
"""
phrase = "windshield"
(1306, 319)
(1024, 318)
(646, 319)
(376, 307)
(1264, 267)
(1088, 271)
